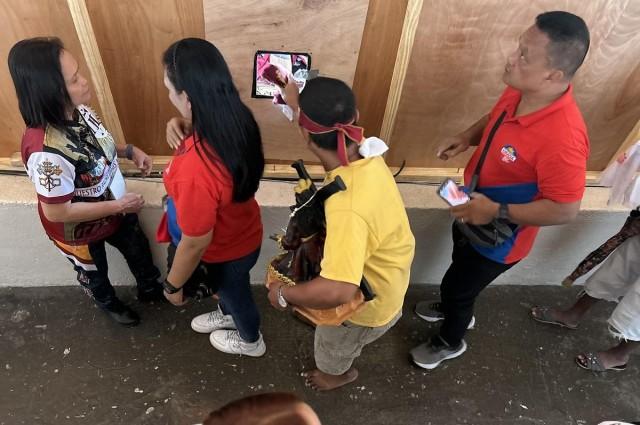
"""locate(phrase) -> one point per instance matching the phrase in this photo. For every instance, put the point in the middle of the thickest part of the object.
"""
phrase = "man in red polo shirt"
(533, 174)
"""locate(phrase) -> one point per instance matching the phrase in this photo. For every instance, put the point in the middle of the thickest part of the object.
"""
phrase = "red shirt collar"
(526, 120)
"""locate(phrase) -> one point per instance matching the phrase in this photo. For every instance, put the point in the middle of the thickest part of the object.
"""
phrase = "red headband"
(351, 131)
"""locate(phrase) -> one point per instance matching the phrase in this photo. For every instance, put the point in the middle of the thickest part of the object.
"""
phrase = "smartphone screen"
(450, 192)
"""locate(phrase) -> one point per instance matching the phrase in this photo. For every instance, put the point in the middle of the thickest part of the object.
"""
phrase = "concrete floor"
(63, 362)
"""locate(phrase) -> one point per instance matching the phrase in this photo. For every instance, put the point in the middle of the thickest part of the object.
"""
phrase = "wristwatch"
(169, 288)
(128, 151)
(503, 211)
(283, 303)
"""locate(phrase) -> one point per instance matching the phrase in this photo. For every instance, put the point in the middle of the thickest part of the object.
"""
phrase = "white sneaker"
(615, 423)
(209, 322)
(229, 341)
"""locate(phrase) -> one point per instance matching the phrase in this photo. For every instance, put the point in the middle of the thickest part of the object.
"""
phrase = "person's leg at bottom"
(335, 349)
(133, 244)
(468, 275)
(610, 282)
(569, 318)
(90, 263)
(236, 300)
(624, 324)
(615, 358)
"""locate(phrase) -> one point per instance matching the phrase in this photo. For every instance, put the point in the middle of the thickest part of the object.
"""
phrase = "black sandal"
(591, 361)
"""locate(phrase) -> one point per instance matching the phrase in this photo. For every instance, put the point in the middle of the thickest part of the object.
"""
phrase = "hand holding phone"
(452, 194)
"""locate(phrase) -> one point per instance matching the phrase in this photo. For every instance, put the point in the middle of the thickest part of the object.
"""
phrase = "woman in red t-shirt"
(212, 219)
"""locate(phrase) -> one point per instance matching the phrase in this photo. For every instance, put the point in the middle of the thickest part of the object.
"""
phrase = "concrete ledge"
(29, 259)
(19, 190)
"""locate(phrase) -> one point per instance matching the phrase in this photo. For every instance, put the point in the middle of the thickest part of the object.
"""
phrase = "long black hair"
(219, 117)
(42, 94)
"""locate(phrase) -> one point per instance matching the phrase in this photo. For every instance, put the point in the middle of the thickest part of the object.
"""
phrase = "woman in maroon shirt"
(72, 160)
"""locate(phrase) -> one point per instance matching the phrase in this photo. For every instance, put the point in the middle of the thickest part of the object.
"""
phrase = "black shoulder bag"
(499, 230)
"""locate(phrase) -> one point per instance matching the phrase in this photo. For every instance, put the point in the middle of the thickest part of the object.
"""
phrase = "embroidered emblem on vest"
(48, 171)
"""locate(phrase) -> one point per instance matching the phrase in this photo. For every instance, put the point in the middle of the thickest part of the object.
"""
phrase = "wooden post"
(87, 37)
(378, 51)
(400, 69)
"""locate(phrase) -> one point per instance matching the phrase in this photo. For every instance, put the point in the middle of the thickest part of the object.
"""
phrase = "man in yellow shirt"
(368, 233)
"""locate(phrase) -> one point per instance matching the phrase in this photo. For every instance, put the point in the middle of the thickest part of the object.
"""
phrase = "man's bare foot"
(554, 317)
(321, 381)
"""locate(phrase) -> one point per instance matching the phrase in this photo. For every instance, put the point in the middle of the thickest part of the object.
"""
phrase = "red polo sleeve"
(562, 173)
(196, 207)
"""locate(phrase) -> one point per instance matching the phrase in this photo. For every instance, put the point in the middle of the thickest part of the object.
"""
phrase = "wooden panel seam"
(409, 28)
(84, 28)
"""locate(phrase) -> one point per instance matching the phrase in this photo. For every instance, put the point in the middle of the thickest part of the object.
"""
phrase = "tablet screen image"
(271, 68)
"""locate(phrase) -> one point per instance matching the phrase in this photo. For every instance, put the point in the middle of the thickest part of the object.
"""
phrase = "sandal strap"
(543, 312)
(593, 362)
(543, 316)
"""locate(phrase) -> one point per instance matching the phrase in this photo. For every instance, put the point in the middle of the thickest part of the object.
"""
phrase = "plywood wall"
(458, 57)
(331, 30)
(21, 19)
(132, 35)
(453, 76)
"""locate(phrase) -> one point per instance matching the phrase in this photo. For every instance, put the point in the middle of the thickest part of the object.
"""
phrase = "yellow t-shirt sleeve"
(345, 247)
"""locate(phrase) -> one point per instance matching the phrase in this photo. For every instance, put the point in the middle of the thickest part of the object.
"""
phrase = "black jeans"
(231, 281)
(132, 243)
(469, 273)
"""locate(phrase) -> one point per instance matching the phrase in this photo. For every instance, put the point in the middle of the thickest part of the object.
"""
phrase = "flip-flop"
(594, 364)
(544, 316)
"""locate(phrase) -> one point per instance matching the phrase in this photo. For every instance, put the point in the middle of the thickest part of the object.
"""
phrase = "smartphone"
(452, 194)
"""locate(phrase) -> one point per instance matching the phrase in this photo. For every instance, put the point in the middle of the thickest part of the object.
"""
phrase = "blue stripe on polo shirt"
(511, 194)
(506, 194)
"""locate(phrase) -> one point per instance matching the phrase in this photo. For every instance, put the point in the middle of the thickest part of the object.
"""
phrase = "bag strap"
(492, 133)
